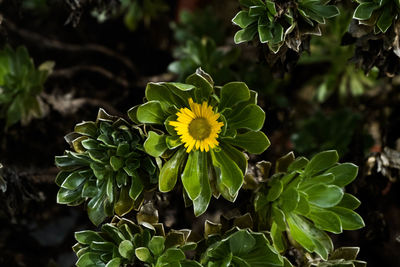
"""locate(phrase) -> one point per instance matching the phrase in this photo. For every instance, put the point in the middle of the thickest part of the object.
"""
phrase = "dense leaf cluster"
(305, 198)
(107, 166)
(219, 171)
(20, 85)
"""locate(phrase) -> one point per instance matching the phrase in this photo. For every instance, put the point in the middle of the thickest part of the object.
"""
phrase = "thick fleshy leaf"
(344, 174)
(126, 249)
(350, 219)
(242, 19)
(324, 196)
(385, 20)
(90, 259)
(321, 161)
(151, 112)
(349, 202)
(156, 245)
(73, 180)
(253, 142)
(169, 172)
(233, 93)
(245, 35)
(155, 144)
(195, 170)
(230, 174)
(161, 93)
(364, 10)
(86, 237)
(325, 220)
(203, 86)
(299, 230)
(251, 117)
(201, 203)
(238, 157)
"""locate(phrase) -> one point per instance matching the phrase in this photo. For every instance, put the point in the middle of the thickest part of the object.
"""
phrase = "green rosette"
(108, 167)
(219, 169)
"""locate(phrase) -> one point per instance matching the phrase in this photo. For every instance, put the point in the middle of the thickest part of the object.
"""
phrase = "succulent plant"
(203, 125)
(380, 14)
(123, 242)
(242, 248)
(281, 23)
(306, 198)
(107, 166)
(20, 85)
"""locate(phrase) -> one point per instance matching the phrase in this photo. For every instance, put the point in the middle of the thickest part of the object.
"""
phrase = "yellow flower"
(198, 126)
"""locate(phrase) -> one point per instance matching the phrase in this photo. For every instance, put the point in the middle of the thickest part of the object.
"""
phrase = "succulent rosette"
(204, 131)
(108, 167)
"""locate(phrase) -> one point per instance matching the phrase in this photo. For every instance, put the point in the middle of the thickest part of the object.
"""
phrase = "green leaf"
(242, 19)
(143, 254)
(277, 238)
(173, 254)
(86, 237)
(364, 10)
(160, 92)
(299, 231)
(350, 219)
(289, 199)
(229, 173)
(253, 142)
(116, 163)
(203, 87)
(90, 259)
(201, 203)
(325, 220)
(344, 173)
(233, 93)
(169, 172)
(275, 190)
(66, 196)
(87, 128)
(349, 201)
(238, 157)
(195, 170)
(298, 164)
(324, 196)
(151, 112)
(156, 245)
(126, 249)
(278, 217)
(155, 144)
(73, 181)
(136, 187)
(251, 117)
(245, 35)
(241, 242)
(115, 262)
(321, 161)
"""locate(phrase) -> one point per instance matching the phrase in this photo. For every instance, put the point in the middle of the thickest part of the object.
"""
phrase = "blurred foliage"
(334, 131)
(108, 167)
(195, 25)
(205, 54)
(341, 76)
(199, 36)
(20, 86)
(305, 198)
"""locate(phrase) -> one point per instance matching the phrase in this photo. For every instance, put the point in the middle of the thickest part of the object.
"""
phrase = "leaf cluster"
(379, 14)
(108, 167)
(281, 23)
(305, 198)
(219, 171)
(20, 85)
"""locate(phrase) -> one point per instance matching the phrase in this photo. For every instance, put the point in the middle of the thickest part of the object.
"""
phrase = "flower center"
(199, 128)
